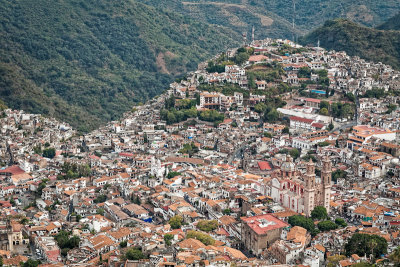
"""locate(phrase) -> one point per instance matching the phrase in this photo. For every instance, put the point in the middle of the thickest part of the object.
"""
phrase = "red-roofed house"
(307, 124)
(312, 102)
(16, 175)
(264, 165)
(259, 232)
(48, 248)
(258, 59)
(12, 170)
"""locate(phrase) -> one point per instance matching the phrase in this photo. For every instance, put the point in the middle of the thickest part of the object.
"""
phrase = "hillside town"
(271, 154)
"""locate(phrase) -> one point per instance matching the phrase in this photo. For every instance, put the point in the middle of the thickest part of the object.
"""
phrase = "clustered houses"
(219, 101)
(124, 184)
(233, 74)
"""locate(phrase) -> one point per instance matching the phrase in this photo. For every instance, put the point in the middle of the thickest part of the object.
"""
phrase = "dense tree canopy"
(307, 223)
(134, 254)
(168, 238)
(375, 93)
(66, 242)
(338, 174)
(304, 72)
(340, 222)
(31, 263)
(319, 213)
(395, 257)
(207, 226)
(365, 244)
(71, 170)
(327, 226)
(189, 149)
(49, 153)
(176, 222)
(77, 61)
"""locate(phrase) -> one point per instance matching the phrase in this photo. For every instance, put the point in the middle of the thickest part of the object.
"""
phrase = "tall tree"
(319, 213)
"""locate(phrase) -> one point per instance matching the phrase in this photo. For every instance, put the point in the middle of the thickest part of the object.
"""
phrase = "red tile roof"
(14, 170)
(262, 224)
(264, 165)
(313, 100)
(318, 125)
(256, 58)
(125, 154)
(295, 118)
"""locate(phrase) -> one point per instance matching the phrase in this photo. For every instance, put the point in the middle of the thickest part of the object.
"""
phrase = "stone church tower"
(326, 177)
(309, 191)
(302, 192)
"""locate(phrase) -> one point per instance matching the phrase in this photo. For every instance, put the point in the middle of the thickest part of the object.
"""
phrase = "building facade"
(260, 232)
(302, 192)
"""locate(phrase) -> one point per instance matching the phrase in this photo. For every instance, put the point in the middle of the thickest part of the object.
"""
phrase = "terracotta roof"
(100, 241)
(344, 263)
(13, 170)
(297, 234)
(256, 58)
(262, 224)
(191, 243)
(185, 160)
(264, 165)
(320, 248)
(225, 220)
(15, 260)
(120, 233)
(295, 118)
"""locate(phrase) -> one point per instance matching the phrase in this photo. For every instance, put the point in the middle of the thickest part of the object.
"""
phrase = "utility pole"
(294, 19)
(244, 35)
(252, 34)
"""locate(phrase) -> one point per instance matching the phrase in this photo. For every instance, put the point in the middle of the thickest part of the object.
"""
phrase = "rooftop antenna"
(341, 10)
(294, 18)
(252, 34)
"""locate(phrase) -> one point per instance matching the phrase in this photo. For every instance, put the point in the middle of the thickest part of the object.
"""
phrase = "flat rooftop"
(261, 224)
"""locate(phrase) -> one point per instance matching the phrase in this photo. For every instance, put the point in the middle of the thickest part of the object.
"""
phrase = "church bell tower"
(326, 177)
(309, 191)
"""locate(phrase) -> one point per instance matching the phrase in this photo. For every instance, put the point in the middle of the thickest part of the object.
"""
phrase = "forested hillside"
(88, 61)
(273, 18)
(237, 15)
(356, 40)
(313, 13)
(391, 24)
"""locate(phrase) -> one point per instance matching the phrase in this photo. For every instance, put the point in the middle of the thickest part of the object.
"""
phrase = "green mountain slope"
(391, 24)
(237, 15)
(313, 13)
(273, 18)
(368, 43)
(88, 61)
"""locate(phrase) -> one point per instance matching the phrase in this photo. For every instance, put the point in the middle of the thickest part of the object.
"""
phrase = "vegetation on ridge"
(88, 61)
(368, 43)
(391, 24)
(273, 18)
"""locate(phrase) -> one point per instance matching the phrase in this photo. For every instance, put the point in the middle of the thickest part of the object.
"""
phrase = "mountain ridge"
(242, 15)
(357, 40)
(392, 24)
(88, 62)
